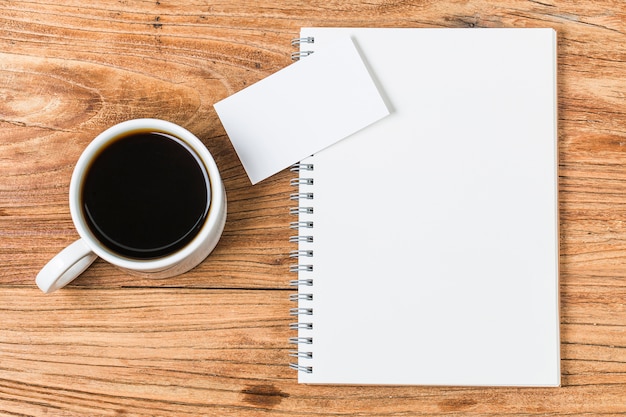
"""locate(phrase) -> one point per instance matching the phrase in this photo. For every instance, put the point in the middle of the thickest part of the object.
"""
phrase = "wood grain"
(214, 341)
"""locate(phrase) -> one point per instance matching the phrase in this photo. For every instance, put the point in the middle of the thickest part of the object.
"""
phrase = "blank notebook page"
(435, 230)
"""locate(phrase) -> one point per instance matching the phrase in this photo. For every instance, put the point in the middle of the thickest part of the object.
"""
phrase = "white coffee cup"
(74, 259)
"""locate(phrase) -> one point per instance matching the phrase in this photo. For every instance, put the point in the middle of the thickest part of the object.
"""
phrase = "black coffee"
(145, 195)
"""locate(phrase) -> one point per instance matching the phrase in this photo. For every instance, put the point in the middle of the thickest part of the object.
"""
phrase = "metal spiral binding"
(298, 311)
(301, 326)
(295, 56)
(296, 239)
(301, 181)
(303, 340)
(297, 297)
(297, 326)
(307, 369)
(305, 355)
(297, 42)
(303, 210)
(298, 253)
(301, 196)
(298, 225)
(298, 282)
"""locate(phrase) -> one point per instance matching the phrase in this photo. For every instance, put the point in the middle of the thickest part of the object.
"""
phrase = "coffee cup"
(145, 196)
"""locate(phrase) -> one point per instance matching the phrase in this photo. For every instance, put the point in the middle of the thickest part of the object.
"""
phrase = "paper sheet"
(301, 109)
(434, 236)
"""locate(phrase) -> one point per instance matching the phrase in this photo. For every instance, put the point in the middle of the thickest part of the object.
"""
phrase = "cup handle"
(65, 267)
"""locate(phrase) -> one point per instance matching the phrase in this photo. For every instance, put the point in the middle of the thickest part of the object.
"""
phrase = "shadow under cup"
(145, 195)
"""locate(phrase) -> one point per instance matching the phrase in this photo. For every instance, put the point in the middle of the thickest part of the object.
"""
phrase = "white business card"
(301, 109)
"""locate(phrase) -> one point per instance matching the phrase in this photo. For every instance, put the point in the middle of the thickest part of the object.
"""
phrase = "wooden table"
(214, 341)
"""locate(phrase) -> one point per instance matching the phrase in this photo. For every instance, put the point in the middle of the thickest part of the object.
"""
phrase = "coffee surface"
(145, 195)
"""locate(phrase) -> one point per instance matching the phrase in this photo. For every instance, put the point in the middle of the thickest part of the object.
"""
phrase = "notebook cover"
(435, 230)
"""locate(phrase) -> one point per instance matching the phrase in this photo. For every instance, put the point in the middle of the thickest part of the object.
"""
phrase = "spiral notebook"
(426, 245)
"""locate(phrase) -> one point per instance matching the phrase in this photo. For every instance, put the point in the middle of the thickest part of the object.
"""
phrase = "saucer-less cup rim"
(84, 250)
(92, 150)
